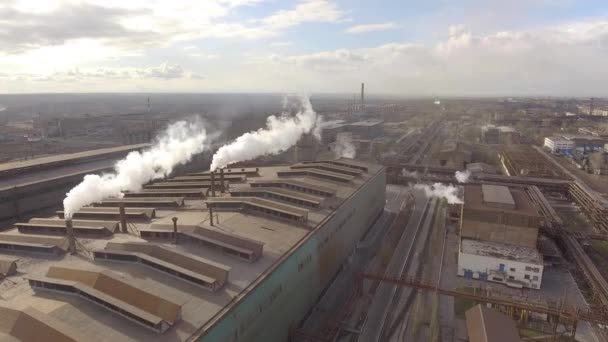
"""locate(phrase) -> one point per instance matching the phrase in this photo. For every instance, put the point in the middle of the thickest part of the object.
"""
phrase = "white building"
(559, 145)
(514, 266)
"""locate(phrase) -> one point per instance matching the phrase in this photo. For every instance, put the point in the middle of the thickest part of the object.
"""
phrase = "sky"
(409, 48)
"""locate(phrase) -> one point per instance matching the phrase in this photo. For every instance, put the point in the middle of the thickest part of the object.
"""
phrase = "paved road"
(372, 330)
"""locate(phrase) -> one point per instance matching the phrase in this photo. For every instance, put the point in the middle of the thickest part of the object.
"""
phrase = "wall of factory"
(489, 268)
(283, 297)
(18, 203)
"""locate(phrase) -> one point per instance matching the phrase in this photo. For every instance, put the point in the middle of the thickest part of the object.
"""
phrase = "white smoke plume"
(411, 174)
(281, 132)
(462, 176)
(344, 146)
(175, 146)
(439, 190)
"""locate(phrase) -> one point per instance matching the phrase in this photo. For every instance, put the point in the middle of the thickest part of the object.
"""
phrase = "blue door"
(501, 267)
(483, 276)
(468, 274)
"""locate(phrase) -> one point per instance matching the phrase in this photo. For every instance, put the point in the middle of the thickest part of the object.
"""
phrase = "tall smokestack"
(71, 239)
(222, 189)
(123, 217)
(213, 183)
(175, 237)
(362, 93)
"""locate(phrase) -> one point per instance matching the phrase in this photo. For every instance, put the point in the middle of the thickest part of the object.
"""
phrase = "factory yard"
(437, 208)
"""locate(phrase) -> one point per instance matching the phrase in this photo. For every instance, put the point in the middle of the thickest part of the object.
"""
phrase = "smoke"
(462, 176)
(175, 146)
(437, 102)
(281, 132)
(411, 174)
(439, 190)
(344, 146)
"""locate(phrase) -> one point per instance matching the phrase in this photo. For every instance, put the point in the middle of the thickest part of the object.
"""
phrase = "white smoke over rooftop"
(462, 176)
(411, 174)
(344, 146)
(439, 190)
(281, 133)
(175, 146)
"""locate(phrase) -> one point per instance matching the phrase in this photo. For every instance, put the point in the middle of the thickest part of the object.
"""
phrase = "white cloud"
(372, 28)
(164, 71)
(280, 44)
(559, 60)
(319, 11)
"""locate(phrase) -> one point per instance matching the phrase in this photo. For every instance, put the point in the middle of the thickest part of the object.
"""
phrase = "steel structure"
(562, 313)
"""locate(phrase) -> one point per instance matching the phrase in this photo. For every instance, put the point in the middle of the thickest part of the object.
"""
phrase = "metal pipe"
(71, 239)
(213, 183)
(123, 217)
(222, 189)
(175, 236)
(211, 215)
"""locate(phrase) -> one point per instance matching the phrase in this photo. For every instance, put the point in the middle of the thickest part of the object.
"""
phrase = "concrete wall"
(282, 298)
(485, 264)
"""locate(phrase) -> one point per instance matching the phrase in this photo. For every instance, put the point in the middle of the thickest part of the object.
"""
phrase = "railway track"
(378, 311)
(593, 276)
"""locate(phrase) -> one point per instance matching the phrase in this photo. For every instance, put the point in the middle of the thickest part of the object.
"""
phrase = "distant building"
(499, 231)
(567, 143)
(455, 154)
(481, 168)
(490, 134)
(596, 111)
(559, 145)
(368, 129)
(598, 163)
(331, 129)
(596, 132)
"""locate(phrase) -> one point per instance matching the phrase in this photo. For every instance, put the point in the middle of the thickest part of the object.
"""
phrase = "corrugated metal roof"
(497, 194)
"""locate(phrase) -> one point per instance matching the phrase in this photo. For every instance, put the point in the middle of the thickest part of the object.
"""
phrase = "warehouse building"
(559, 145)
(568, 143)
(499, 231)
(237, 256)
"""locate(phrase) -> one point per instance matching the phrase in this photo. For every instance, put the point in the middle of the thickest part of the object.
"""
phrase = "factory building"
(455, 154)
(568, 143)
(559, 145)
(238, 255)
(363, 130)
(491, 134)
(499, 231)
(368, 129)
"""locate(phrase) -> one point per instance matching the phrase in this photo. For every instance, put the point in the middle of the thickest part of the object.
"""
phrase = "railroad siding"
(286, 294)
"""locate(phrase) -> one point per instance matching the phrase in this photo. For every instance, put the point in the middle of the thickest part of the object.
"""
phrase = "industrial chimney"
(362, 93)
(71, 238)
(175, 237)
(123, 217)
(213, 183)
(222, 189)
